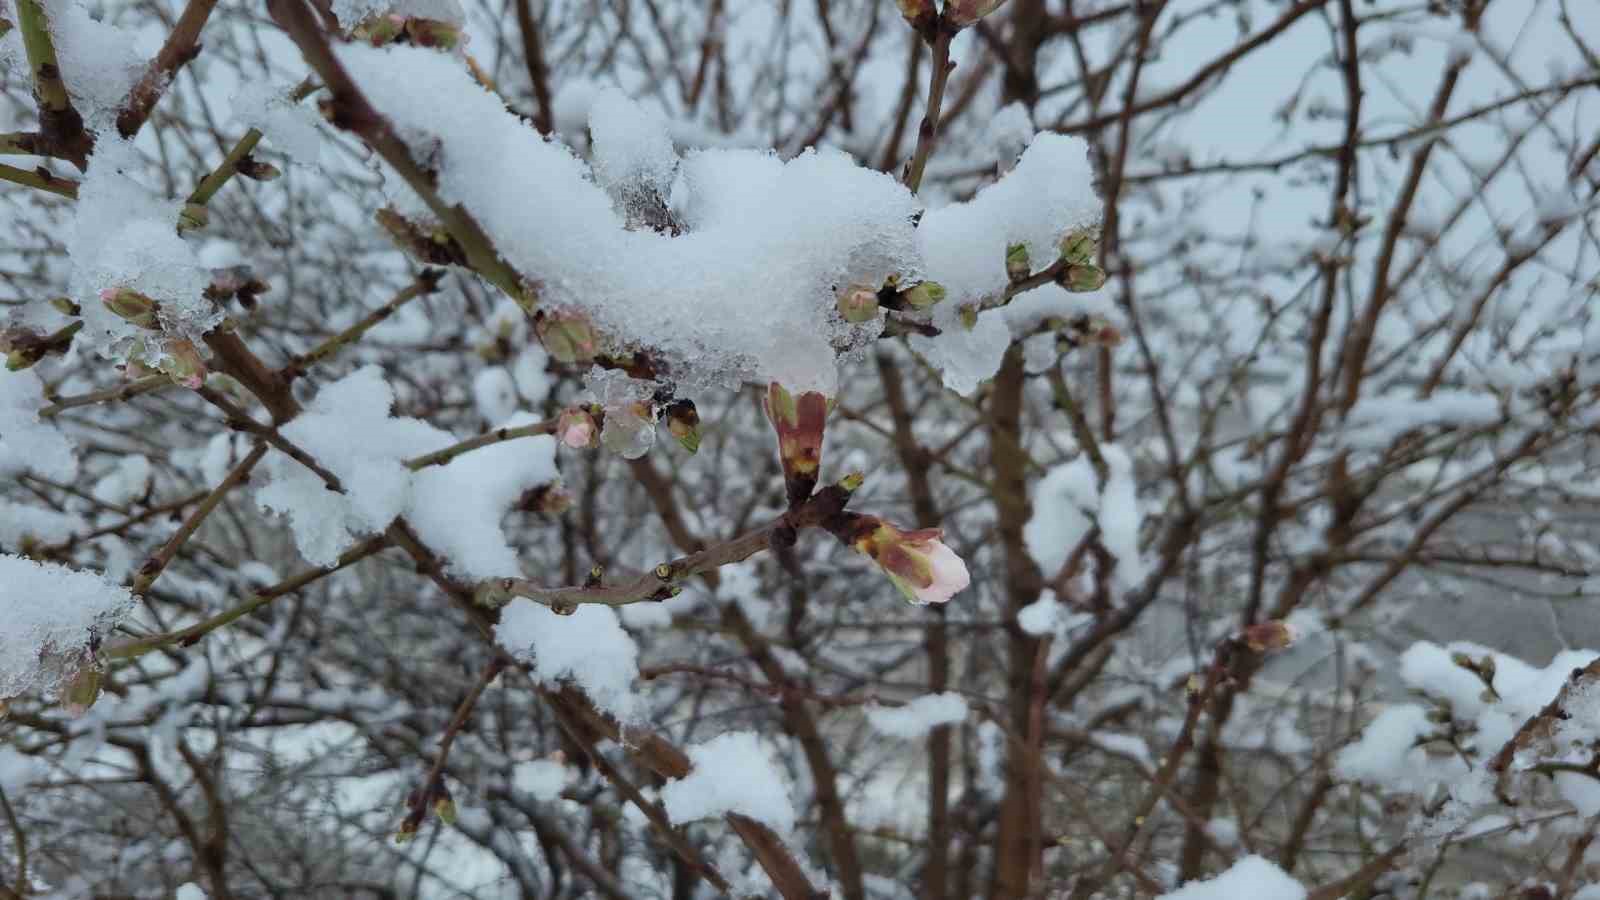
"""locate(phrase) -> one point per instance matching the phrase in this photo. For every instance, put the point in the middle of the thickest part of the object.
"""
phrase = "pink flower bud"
(962, 13)
(799, 422)
(576, 428)
(132, 306)
(567, 337)
(858, 303)
(1264, 637)
(919, 563)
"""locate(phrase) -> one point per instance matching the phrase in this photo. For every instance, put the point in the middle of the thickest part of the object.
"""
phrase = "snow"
(1063, 502)
(541, 779)
(1067, 503)
(787, 240)
(732, 773)
(1377, 421)
(348, 430)
(288, 127)
(494, 390)
(19, 523)
(1042, 616)
(963, 246)
(1251, 878)
(190, 891)
(456, 508)
(352, 12)
(126, 482)
(99, 62)
(28, 443)
(51, 615)
(916, 718)
(124, 236)
(588, 648)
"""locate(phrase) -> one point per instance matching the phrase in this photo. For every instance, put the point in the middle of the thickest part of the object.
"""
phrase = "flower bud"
(576, 428)
(962, 13)
(1080, 246)
(193, 217)
(83, 689)
(553, 500)
(799, 422)
(968, 313)
(434, 33)
(408, 830)
(1264, 637)
(567, 337)
(66, 307)
(1082, 279)
(1018, 266)
(858, 303)
(918, 562)
(444, 806)
(915, 9)
(255, 170)
(922, 295)
(183, 363)
(379, 30)
(132, 306)
(683, 421)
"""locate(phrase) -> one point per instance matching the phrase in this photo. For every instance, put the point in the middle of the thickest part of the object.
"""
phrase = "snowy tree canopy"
(930, 449)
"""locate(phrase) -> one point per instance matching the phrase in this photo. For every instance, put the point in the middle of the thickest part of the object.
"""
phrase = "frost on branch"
(1251, 878)
(732, 773)
(587, 648)
(52, 616)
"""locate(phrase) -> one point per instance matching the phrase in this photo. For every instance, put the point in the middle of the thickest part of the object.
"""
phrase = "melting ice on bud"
(858, 303)
(799, 422)
(1264, 637)
(918, 562)
(922, 296)
(183, 363)
(83, 688)
(576, 428)
(630, 429)
(132, 306)
(683, 420)
(567, 337)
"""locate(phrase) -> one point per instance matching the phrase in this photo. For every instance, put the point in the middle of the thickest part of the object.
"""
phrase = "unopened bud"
(83, 689)
(576, 428)
(66, 307)
(1082, 279)
(444, 806)
(915, 9)
(553, 500)
(408, 830)
(962, 13)
(969, 316)
(193, 217)
(379, 30)
(1264, 637)
(799, 422)
(567, 337)
(923, 295)
(1018, 266)
(434, 33)
(183, 363)
(132, 306)
(683, 421)
(858, 303)
(254, 169)
(853, 481)
(1080, 246)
